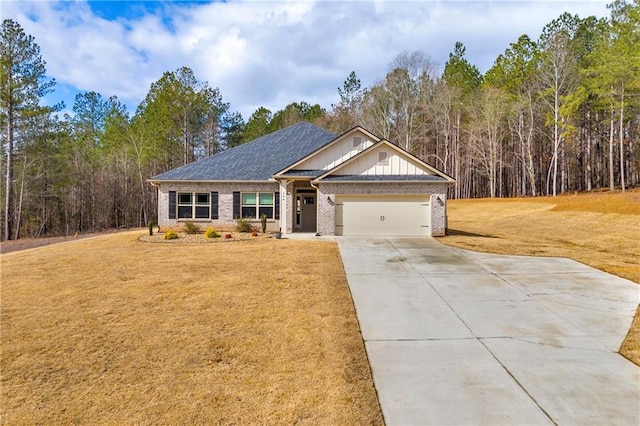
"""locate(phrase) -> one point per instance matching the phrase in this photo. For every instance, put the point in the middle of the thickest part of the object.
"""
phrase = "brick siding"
(326, 202)
(225, 203)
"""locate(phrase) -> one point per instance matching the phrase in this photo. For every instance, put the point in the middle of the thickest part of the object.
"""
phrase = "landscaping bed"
(200, 237)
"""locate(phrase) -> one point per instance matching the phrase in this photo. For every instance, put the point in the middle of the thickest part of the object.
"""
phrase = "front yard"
(113, 330)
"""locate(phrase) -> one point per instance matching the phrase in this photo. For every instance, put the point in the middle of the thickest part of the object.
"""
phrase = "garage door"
(383, 215)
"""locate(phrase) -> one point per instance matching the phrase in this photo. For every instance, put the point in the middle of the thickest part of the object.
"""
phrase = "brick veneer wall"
(225, 203)
(327, 196)
(326, 202)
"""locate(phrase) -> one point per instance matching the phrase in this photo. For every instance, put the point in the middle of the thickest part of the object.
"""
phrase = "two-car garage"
(383, 215)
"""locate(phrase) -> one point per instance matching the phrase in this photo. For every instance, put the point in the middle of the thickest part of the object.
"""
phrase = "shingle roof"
(255, 160)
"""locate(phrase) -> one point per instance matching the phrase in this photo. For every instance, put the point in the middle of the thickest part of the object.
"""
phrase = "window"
(194, 205)
(255, 204)
(185, 205)
(357, 142)
(202, 205)
(383, 158)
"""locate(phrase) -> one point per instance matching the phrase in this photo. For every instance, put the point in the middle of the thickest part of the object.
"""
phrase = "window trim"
(195, 205)
(257, 206)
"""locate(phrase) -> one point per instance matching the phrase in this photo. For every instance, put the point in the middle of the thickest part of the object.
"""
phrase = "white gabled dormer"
(384, 159)
(341, 149)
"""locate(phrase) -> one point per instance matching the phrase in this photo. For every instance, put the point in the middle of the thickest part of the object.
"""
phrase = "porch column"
(284, 210)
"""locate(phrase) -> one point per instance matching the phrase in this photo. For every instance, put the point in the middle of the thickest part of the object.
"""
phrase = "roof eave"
(155, 181)
(293, 177)
(433, 182)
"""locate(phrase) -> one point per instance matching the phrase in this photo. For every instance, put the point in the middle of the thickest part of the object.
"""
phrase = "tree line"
(555, 114)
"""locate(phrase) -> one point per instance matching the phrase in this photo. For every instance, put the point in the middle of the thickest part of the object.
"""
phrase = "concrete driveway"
(456, 337)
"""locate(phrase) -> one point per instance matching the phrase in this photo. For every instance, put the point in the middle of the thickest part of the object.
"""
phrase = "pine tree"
(23, 83)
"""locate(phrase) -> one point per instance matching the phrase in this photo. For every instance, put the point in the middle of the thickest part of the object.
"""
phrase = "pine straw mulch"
(200, 238)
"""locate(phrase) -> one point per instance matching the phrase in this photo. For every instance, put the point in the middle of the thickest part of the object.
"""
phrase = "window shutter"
(276, 205)
(214, 205)
(236, 205)
(172, 204)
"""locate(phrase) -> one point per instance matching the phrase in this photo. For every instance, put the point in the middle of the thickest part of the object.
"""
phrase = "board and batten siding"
(373, 164)
(336, 153)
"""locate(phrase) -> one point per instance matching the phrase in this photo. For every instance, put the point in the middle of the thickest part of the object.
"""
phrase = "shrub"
(191, 228)
(169, 235)
(243, 225)
(211, 233)
(263, 222)
(150, 226)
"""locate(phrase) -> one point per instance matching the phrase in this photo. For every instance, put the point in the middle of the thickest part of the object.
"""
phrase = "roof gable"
(332, 154)
(384, 161)
(255, 160)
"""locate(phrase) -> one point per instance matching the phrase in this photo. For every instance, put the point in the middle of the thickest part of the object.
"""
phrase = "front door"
(306, 210)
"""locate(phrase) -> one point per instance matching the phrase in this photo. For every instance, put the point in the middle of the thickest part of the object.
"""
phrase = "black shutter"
(214, 205)
(236, 205)
(276, 214)
(172, 204)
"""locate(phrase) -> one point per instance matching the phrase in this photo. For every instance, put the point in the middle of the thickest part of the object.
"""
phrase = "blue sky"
(266, 53)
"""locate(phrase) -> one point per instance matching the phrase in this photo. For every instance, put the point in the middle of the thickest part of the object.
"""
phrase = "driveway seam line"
(560, 347)
(478, 338)
(518, 382)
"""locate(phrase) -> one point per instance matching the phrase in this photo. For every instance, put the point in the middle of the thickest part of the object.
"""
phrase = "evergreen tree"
(460, 73)
(258, 124)
(184, 117)
(23, 83)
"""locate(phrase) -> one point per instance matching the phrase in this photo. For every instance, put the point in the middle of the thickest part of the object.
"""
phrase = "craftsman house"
(306, 179)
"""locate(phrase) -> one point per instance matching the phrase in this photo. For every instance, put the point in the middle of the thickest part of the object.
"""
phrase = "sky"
(266, 53)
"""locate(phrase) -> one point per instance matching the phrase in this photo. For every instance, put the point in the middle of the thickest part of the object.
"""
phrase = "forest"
(556, 114)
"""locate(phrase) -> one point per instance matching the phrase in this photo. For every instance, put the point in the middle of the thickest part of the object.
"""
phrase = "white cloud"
(271, 53)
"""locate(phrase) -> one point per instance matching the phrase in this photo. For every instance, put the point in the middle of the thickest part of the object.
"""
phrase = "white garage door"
(383, 215)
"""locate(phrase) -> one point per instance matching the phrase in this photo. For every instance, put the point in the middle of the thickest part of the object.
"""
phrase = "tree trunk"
(456, 136)
(611, 128)
(20, 198)
(556, 145)
(563, 167)
(588, 154)
(8, 208)
(621, 135)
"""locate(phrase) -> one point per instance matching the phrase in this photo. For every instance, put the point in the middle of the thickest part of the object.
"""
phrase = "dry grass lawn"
(600, 229)
(113, 330)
